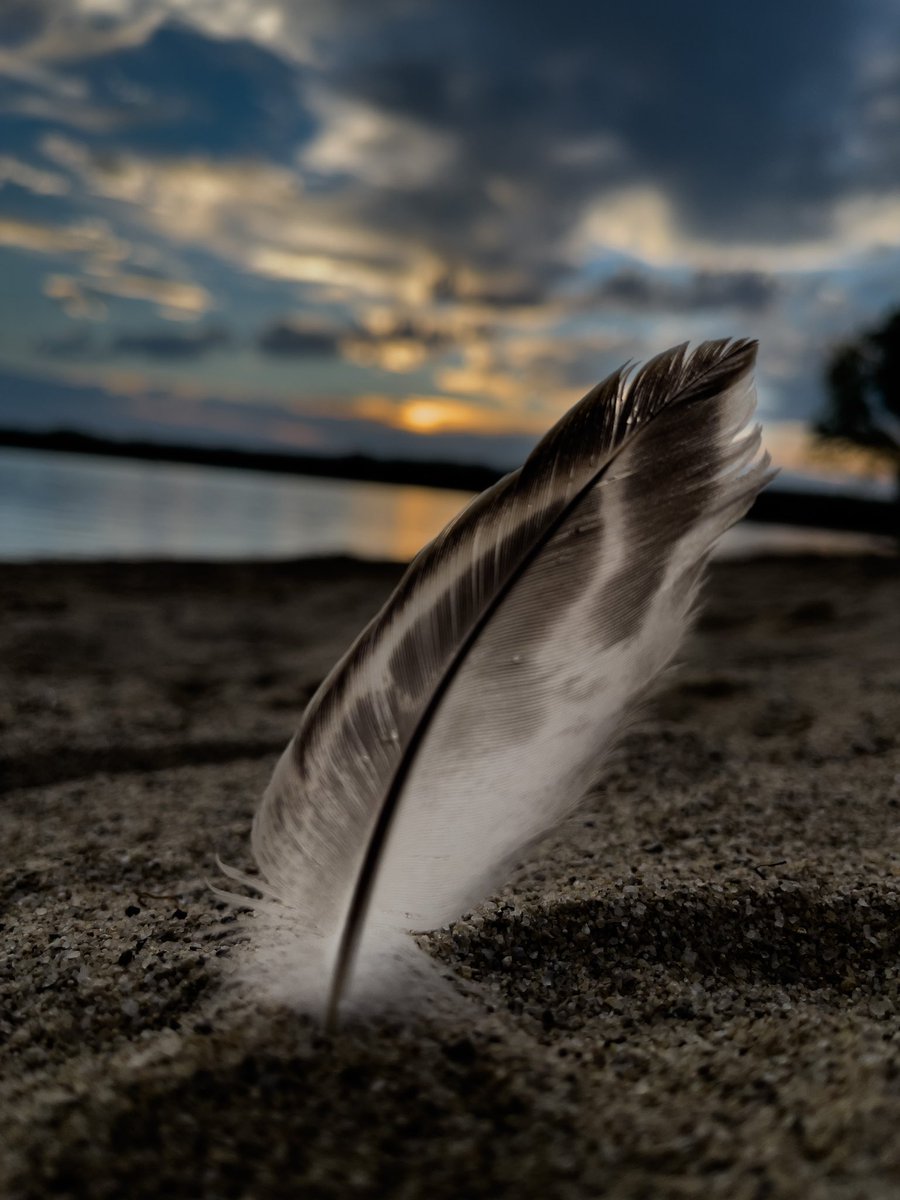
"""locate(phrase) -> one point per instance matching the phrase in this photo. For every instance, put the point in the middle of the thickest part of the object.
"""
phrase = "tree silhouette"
(864, 393)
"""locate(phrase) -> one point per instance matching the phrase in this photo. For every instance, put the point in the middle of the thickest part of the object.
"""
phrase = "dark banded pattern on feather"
(474, 710)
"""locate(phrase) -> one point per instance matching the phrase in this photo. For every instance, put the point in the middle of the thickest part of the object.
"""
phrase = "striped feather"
(476, 708)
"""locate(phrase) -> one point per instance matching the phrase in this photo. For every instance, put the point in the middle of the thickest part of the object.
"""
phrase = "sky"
(416, 229)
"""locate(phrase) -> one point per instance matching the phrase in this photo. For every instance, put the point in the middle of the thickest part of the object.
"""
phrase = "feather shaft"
(362, 893)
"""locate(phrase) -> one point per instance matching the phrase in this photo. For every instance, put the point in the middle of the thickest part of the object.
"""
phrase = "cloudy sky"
(425, 228)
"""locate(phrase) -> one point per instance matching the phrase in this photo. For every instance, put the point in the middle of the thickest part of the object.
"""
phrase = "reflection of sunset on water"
(399, 520)
(85, 507)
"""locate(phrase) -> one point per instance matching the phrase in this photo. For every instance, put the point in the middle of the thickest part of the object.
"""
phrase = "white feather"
(476, 709)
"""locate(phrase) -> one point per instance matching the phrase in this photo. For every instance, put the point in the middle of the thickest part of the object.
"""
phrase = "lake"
(79, 506)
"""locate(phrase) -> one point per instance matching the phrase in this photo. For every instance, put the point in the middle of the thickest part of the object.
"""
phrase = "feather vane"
(475, 710)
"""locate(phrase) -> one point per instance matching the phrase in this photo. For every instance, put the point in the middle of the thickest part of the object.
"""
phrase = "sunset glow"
(395, 237)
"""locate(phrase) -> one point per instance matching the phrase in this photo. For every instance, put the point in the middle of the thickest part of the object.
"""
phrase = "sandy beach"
(692, 989)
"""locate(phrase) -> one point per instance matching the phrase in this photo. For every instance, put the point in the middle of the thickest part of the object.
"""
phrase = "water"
(79, 506)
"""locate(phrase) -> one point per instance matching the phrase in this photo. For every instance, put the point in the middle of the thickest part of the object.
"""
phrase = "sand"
(690, 990)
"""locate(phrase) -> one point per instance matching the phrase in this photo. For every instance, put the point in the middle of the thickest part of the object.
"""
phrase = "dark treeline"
(813, 509)
(358, 467)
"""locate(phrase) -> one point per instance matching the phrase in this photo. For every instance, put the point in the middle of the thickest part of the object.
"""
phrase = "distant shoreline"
(774, 506)
(358, 467)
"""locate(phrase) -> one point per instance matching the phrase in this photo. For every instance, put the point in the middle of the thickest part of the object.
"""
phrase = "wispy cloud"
(32, 178)
(375, 148)
(86, 296)
(259, 216)
(89, 238)
(98, 255)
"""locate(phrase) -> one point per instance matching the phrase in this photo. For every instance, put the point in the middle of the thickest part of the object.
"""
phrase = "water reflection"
(60, 506)
(56, 506)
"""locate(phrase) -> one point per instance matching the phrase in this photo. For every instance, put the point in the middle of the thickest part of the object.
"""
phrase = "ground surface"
(692, 990)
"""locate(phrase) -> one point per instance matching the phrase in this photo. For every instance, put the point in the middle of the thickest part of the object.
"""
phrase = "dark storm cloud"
(751, 123)
(639, 291)
(76, 343)
(750, 126)
(299, 339)
(171, 345)
(157, 344)
(290, 340)
(20, 21)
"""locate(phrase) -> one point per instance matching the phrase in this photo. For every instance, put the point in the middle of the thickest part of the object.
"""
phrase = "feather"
(474, 711)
